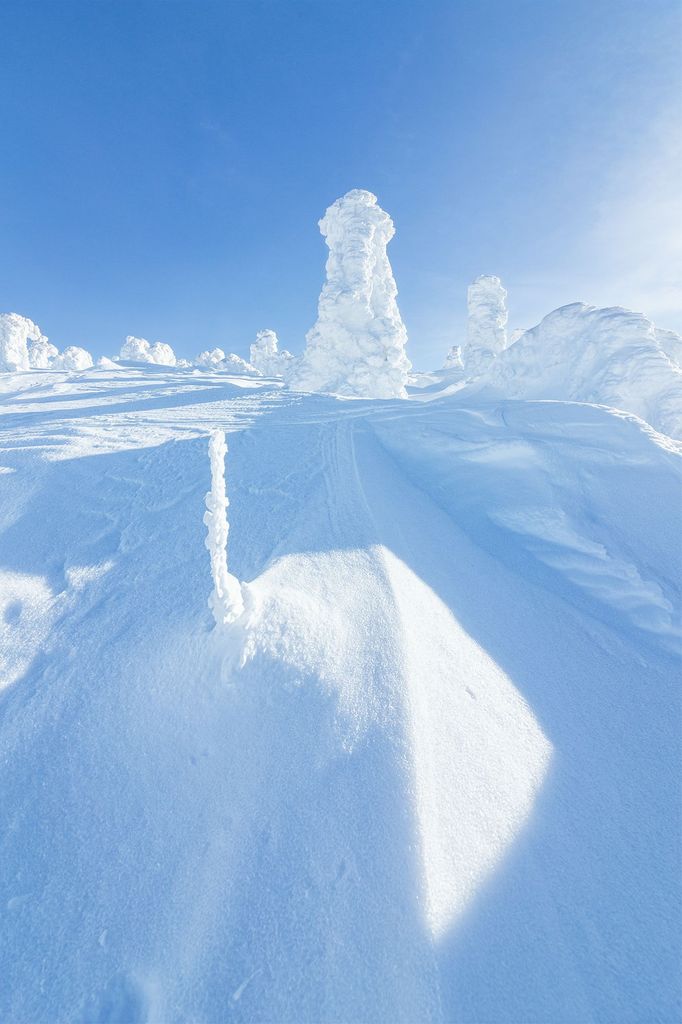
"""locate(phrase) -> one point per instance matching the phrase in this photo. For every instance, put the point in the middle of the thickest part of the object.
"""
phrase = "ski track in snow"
(429, 776)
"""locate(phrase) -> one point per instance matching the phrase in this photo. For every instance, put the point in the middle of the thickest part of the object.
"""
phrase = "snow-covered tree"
(267, 357)
(357, 346)
(41, 353)
(487, 323)
(210, 360)
(226, 601)
(453, 360)
(215, 359)
(72, 358)
(15, 332)
(139, 350)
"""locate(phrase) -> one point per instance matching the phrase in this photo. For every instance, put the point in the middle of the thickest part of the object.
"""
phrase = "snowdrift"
(430, 774)
(607, 356)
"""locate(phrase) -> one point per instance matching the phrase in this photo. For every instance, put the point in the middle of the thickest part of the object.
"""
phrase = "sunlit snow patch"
(479, 756)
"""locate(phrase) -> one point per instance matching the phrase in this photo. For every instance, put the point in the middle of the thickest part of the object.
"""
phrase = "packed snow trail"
(431, 773)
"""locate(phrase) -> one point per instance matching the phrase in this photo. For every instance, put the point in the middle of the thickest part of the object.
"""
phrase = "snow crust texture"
(357, 346)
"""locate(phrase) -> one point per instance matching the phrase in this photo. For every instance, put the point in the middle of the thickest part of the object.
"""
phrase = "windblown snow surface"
(432, 774)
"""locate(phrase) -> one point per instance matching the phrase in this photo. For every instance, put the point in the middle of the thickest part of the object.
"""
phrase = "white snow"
(611, 357)
(139, 350)
(267, 357)
(433, 775)
(453, 360)
(210, 360)
(226, 599)
(486, 324)
(15, 332)
(72, 358)
(41, 353)
(357, 346)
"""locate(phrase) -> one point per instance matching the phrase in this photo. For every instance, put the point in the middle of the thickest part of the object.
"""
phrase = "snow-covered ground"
(431, 774)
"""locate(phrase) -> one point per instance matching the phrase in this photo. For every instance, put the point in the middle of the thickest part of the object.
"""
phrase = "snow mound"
(15, 332)
(72, 358)
(487, 323)
(267, 357)
(608, 357)
(357, 346)
(139, 350)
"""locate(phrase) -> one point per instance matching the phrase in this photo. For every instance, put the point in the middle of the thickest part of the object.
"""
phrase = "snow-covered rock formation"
(486, 325)
(606, 356)
(139, 350)
(72, 358)
(15, 333)
(267, 357)
(357, 346)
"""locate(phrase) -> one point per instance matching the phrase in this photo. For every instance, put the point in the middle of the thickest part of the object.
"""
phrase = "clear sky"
(164, 164)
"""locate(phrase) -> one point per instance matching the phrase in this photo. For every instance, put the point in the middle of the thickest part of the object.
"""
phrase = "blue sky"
(164, 164)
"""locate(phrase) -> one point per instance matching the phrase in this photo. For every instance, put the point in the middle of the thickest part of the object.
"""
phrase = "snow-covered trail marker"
(226, 600)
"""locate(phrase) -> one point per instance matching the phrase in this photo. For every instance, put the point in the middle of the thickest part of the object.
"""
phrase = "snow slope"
(430, 775)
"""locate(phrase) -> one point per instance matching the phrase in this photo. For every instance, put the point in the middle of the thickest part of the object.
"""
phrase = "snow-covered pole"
(226, 601)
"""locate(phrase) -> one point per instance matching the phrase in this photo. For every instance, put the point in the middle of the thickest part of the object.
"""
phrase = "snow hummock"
(15, 332)
(607, 356)
(357, 346)
(72, 358)
(487, 323)
(139, 350)
(226, 600)
(267, 357)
